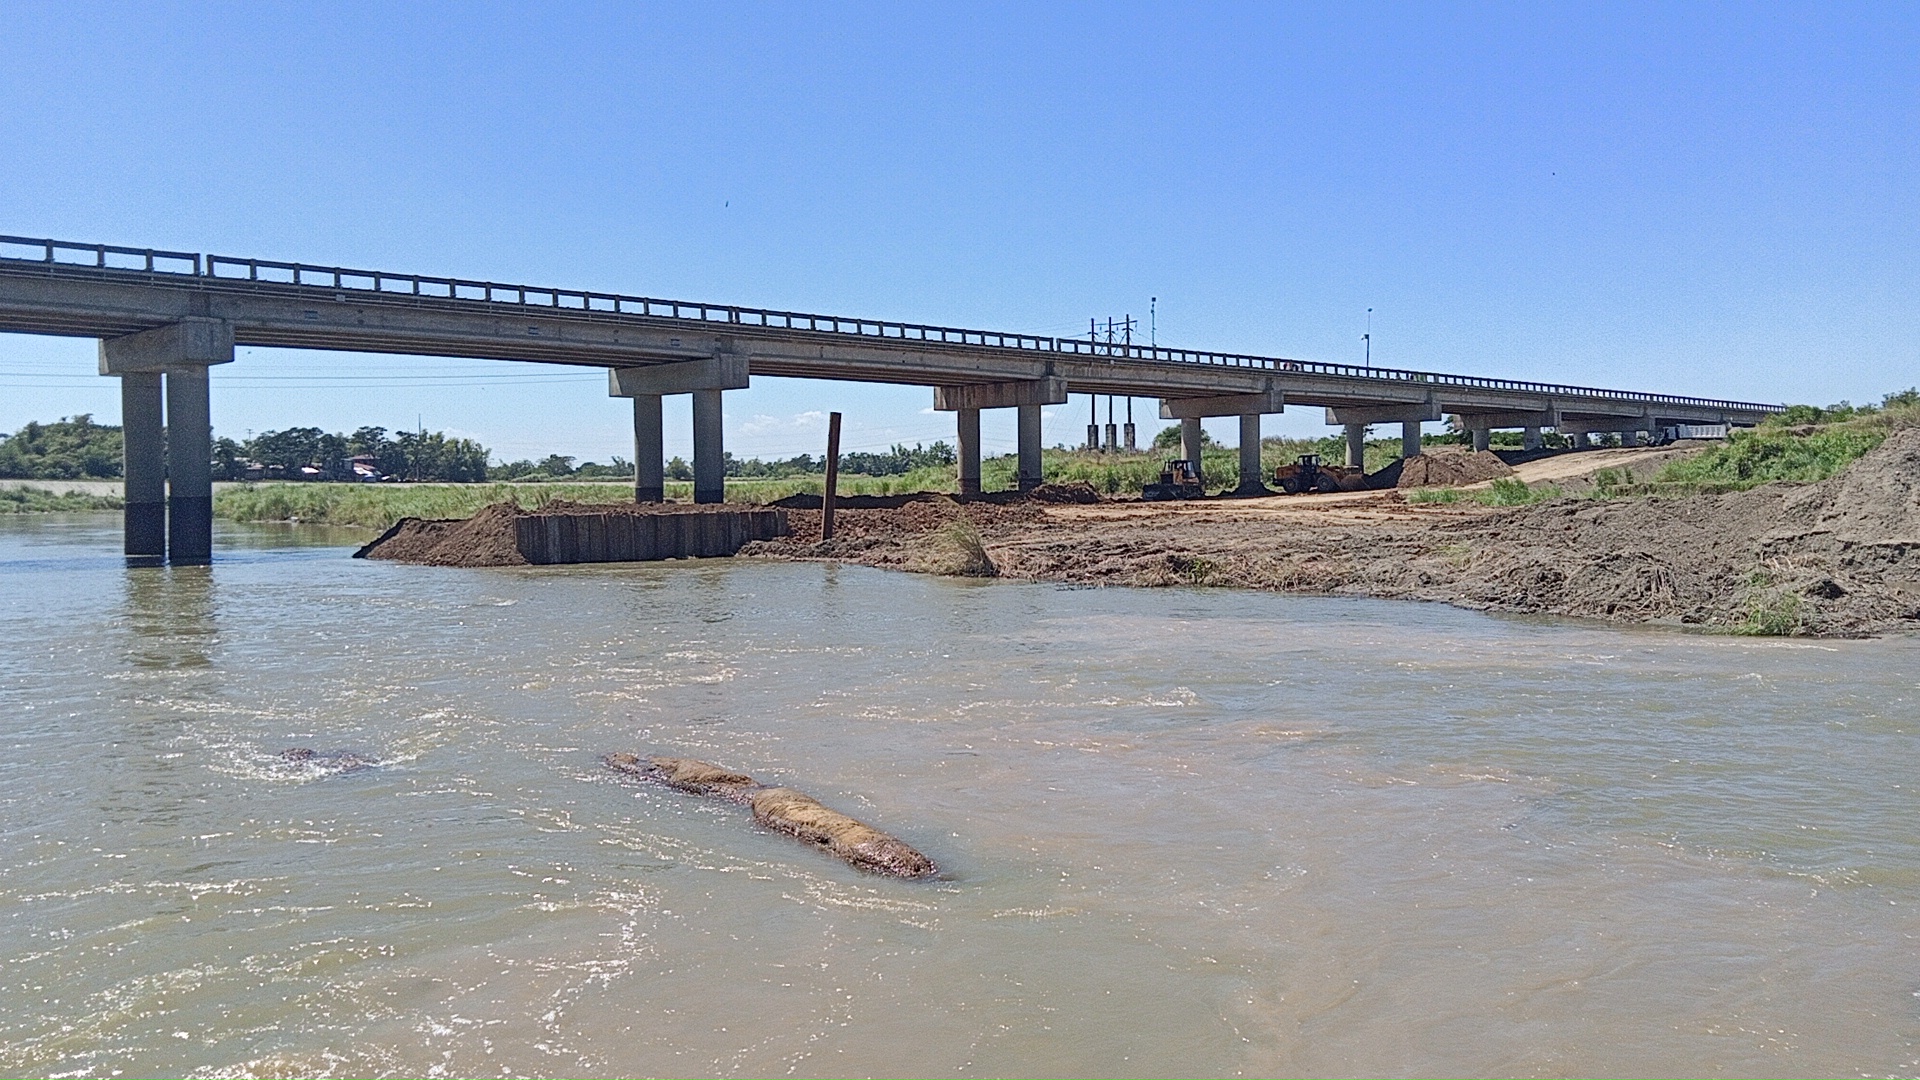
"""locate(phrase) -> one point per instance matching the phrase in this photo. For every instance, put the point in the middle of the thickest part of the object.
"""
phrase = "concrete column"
(709, 459)
(1093, 437)
(189, 468)
(1482, 438)
(1630, 438)
(1356, 445)
(1127, 435)
(1112, 443)
(1410, 438)
(1531, 440)
(649, 451)
(1190, 439)
(1029, 423)
(143, 455)
(969, 425)
(1251, 482)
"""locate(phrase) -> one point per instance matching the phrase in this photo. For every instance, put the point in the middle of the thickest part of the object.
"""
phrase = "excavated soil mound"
(1079, 492)
(493, 536)
(485, 539)
(1451, 468)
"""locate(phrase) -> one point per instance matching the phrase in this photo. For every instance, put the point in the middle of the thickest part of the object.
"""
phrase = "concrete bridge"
(164, 317)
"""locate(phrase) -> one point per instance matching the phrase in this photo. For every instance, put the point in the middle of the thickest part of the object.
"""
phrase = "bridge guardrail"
(230, 271)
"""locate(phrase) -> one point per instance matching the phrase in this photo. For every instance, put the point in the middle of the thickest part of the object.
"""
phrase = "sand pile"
(1451, 467)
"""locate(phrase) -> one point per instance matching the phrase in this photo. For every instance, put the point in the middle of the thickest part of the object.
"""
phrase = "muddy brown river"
(1186, 832)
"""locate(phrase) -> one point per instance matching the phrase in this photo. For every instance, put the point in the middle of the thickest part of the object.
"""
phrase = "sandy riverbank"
(1838, 558)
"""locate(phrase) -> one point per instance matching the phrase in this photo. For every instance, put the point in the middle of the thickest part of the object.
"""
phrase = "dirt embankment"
(1837, 558)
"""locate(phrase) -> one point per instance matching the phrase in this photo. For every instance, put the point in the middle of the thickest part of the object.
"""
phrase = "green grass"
(1772, 610)
(33, 500)
(1505, 491)
(1764, 455)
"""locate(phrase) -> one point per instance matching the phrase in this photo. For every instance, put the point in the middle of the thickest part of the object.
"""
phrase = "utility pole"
(1368, 338)
(1153, 322)
(1119, 341)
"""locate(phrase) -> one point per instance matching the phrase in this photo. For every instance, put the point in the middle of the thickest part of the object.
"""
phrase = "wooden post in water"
(833, 476)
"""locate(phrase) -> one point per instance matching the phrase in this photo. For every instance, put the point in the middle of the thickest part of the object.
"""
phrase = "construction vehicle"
(1180, 479)
(1307, 474)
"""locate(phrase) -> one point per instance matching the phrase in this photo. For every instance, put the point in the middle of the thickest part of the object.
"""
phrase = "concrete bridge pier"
(1190, 440)
(1026, 397)
(706, 380)
(1252, 478)
(1029, 435)
(1409, 417)
(1248, 407)
(1409, 438)
(968, 423)
(1530, 438)
(1482, 438)
(189, 467)
(649, 451)
(145, 468)
(1356, 446)
(709, 449)
(168, 362)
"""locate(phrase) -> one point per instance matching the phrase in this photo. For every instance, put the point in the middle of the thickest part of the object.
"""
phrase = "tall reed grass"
(34, 500)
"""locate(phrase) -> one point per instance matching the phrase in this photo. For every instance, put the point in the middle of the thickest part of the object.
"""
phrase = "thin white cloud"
(763, 424)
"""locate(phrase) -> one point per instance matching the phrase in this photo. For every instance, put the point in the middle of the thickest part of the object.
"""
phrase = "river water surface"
(1185, 832)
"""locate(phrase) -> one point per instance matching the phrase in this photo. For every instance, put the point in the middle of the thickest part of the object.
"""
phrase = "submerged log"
(785, 810)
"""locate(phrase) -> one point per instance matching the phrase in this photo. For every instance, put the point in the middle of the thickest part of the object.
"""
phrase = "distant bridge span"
(172, 314)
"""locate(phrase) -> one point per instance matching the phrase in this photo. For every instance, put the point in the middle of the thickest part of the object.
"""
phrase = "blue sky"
(1696, 199)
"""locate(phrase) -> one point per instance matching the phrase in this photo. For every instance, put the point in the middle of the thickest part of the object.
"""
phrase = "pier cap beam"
(1600, 425)
(192, 342)
(1272, 401)
(1509, 419)
(721, 372)
(1051, 390)
(1417, 413)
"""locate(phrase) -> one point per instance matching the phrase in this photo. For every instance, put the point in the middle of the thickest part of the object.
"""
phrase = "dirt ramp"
(784, 810)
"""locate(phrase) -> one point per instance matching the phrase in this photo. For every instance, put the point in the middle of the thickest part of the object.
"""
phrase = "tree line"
(76, 448)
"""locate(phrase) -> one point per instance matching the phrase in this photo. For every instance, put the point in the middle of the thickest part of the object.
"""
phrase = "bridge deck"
(93, 290)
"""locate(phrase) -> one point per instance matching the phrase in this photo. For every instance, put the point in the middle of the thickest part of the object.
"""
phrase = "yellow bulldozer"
(1180, 479)
(1307, 475)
